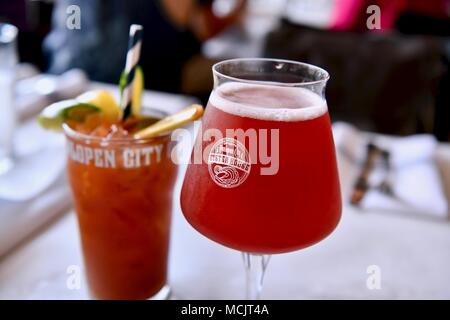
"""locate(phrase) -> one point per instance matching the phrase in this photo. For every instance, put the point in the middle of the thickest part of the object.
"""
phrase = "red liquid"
(124, 215)
(293, 209)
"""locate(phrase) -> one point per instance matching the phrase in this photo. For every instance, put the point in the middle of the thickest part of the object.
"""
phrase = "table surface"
(412, 254)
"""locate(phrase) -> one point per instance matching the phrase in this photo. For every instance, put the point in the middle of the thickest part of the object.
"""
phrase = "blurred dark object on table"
(33, 18)
(389, 82)
(412, 23)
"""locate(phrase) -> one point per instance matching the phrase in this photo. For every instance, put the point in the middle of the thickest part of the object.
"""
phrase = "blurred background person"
(391, 80)
(173, 32)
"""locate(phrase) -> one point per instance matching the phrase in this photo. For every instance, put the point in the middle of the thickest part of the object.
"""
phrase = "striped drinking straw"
(133, 55)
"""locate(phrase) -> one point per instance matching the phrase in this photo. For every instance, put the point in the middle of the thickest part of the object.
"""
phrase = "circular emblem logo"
(229, 163)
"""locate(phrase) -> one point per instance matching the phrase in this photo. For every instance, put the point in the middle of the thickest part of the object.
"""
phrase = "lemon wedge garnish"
(103, 100)
(172, 122)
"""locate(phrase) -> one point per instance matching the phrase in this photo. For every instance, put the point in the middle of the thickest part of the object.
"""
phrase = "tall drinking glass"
(263, 176)
(8, 61)
(122, 191)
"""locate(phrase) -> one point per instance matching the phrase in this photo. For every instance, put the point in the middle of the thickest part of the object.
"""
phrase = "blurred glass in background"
(8, 61)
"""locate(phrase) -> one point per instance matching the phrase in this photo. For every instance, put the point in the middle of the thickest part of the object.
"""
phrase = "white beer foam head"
(265, 102)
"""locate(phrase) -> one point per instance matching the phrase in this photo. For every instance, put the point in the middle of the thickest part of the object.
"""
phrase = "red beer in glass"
(232, 197)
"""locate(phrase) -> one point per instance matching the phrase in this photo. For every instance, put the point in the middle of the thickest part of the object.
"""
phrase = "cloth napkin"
(35, 190)
(32, 174)
(414, 177)
(18, 220)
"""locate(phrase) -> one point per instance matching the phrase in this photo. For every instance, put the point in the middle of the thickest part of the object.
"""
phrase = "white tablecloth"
(412, 254)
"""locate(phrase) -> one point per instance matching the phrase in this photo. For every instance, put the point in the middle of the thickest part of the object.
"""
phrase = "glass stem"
(255, 268)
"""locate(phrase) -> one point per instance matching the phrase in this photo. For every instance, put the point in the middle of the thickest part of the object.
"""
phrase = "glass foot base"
(164, 294)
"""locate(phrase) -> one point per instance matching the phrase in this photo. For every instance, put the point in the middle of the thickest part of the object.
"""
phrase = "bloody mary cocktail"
(122, 192)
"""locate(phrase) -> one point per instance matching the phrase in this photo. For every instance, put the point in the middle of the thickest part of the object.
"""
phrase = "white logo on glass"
(229, 163)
